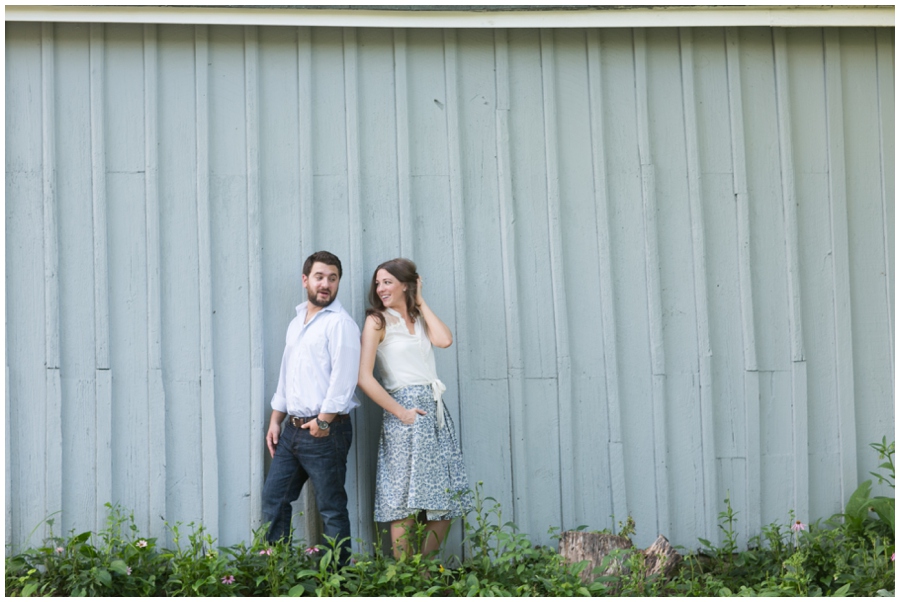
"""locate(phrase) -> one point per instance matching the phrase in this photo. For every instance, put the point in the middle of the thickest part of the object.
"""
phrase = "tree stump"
(576, 546)
(661, 557)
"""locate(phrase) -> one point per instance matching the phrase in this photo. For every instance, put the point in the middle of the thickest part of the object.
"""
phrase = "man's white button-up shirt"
(320, 365)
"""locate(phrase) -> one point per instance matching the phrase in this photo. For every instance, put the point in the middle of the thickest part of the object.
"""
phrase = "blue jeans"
(300, 456)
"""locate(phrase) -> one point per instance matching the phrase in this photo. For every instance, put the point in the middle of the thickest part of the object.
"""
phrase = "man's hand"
(313, 427)
(272, 438)
(274, 431)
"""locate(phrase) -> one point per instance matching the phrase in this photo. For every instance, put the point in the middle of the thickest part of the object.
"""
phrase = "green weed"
(850, 553)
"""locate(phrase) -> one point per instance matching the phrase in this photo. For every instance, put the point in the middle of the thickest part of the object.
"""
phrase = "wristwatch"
(323, 425)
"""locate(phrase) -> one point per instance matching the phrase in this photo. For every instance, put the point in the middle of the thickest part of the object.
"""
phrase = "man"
(315, 393)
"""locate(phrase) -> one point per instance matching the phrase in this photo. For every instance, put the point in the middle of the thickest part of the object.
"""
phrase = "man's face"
(322, 284)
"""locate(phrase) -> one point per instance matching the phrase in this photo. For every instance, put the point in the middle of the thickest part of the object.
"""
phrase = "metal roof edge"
(531, 17)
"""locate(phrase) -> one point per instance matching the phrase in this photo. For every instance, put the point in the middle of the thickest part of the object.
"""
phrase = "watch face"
(322, 424)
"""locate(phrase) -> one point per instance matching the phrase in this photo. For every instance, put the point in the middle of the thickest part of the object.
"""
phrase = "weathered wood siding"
(667, 256)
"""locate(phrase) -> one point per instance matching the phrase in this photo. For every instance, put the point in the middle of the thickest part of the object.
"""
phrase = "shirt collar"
(335, 306)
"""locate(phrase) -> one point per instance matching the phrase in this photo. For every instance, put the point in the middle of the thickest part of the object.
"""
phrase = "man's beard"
(314, 299)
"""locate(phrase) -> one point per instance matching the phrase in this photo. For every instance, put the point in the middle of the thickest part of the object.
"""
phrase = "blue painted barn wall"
(667, 256)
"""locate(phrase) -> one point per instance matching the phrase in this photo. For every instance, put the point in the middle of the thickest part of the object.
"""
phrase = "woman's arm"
(371, 336)
(438, 333)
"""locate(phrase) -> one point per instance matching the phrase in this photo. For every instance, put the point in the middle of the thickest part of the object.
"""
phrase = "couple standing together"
(420, 468)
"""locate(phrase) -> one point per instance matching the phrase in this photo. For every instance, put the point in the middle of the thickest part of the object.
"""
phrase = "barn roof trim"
(468, 16)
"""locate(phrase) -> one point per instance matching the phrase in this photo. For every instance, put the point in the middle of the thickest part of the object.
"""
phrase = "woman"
(420, 467)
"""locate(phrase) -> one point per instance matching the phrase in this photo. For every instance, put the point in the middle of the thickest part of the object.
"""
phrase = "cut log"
(661, 557)
(576, 546)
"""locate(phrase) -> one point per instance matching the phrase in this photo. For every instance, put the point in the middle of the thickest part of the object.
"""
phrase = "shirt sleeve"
(279, 399)
(343, 347)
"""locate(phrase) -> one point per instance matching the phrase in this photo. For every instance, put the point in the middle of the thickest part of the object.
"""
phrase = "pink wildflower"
(60, 550)
(312, 550)
(798, 526)
(127, 570)
(266, 552)
(142, 543)
(892, 556)
(228, 579)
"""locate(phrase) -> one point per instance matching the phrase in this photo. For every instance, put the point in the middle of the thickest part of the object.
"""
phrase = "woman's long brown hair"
(404, 271)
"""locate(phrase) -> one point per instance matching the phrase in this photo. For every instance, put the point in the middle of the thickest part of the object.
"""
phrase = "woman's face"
(391, 291)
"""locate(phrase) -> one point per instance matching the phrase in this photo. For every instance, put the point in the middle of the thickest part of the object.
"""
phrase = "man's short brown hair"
(322, 257)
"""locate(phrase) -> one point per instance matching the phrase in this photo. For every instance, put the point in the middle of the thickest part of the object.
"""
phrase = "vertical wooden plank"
(24, 303)
(98, 181)
(515, 362)
(354, 268)
(480, 332)
(732, 43)
(791, 241)
(376, 105)
(654, 295)
(52, 411)
(280, 163)
(254, 259)
(178, 161)
(751, 375)
(305, 113)
(558, 284)
(156, 395)
(233, 140)
(837, 184)
(884, 52)
(308, 240)
(103, 375)
(233, 191)
(529, 190)
(8, 516)
(873, 395)
(724, 299)
(433, 134)
(789, 201)
(329, 140)
(401, 110)
(629, 273)
(457, 223)
(208, 444)
(430, 187)
(126, 191)
(590, 432)
(698, 239)
(618, 495)
(329, 206)
(75, 212)
(804, 77)
(354, 223)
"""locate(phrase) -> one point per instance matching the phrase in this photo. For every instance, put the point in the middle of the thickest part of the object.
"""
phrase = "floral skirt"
(420, 466)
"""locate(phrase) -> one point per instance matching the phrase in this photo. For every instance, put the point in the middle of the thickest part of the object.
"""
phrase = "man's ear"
(305, 280)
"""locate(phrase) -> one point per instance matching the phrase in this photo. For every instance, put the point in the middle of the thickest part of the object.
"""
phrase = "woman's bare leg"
(435, 533)
(401, 531)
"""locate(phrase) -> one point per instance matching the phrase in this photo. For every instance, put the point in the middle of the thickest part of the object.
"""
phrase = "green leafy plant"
(860, 506)
(848, 554)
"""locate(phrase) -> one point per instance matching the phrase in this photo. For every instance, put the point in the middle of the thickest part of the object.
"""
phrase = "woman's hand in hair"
(437, 331)
(419, 299)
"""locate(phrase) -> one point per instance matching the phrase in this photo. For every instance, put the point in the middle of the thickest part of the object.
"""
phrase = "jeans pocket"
(308, 438)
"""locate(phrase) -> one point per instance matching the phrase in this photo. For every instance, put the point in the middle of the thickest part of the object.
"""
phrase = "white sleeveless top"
(405, 359)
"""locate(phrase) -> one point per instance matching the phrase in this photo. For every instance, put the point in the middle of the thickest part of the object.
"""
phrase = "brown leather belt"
(299, 421)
